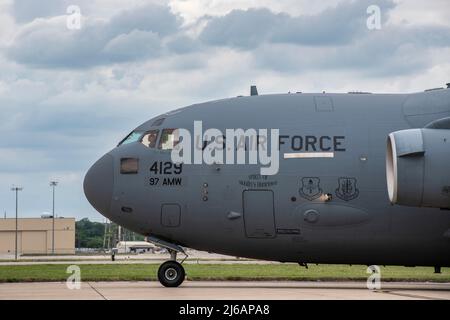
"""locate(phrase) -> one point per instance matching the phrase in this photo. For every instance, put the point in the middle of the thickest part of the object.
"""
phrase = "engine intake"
(418, 168)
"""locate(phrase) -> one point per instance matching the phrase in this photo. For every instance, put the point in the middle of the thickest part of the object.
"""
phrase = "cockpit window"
(169, 139)
(132, 137)
(149, 138)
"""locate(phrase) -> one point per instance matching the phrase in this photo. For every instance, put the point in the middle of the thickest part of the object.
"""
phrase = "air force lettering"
(313, 143)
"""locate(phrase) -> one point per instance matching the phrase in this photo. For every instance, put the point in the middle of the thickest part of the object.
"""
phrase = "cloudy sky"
(69, 95)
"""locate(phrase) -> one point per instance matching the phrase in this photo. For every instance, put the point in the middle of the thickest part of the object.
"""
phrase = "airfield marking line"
(93, 288)
(408, 295)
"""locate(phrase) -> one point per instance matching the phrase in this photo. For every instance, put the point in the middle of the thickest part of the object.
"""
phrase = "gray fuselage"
(232, 209)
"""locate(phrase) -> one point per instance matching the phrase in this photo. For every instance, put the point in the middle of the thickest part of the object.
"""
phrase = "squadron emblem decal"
(310, 188)
(347, 189)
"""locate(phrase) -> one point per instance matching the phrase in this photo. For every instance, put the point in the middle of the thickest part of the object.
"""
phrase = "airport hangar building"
(35, 236)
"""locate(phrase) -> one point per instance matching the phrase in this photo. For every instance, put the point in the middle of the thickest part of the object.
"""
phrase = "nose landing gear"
(171, 273)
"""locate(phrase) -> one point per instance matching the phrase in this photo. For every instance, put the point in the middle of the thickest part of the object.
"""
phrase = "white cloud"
(133, 46)
(192, 10)
(129, 35)
(418, 12)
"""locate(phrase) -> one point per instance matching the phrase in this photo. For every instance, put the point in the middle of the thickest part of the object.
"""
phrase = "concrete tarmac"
(225, 290)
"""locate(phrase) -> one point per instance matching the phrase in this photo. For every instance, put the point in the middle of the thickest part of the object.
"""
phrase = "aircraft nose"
(98, 184)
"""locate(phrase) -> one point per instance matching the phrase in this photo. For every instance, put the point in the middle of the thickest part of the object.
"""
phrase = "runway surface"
(229, 290)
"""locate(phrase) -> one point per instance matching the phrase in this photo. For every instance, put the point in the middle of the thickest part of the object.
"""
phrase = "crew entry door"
(259, 216)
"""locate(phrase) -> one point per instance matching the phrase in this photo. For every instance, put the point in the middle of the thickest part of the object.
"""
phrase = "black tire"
(171, 274)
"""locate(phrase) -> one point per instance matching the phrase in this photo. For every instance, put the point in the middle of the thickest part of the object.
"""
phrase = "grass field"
(136, 272)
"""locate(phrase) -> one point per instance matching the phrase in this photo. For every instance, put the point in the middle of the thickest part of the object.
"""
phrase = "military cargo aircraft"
(355, 178)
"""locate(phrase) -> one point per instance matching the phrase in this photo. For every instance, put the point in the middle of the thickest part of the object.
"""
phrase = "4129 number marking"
(160, 167)
(165, 168)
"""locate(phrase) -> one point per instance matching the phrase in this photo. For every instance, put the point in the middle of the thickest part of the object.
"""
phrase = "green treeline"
(99, 235)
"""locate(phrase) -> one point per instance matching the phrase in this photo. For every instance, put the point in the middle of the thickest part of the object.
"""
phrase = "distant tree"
(90, 234)
(94, 242)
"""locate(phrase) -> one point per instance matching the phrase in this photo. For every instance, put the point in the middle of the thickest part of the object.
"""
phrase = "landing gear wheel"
(171, 274)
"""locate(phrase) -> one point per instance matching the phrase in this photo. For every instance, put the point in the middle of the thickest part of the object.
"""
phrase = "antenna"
(253, 91)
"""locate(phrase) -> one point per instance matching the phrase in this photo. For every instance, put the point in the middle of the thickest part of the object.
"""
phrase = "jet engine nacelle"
(418, 167)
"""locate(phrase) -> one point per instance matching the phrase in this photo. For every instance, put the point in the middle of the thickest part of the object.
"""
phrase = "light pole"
(53, 184)
(16, 190)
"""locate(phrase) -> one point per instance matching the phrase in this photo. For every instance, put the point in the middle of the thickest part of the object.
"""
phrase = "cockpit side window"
(169, 139)
(129, 166)
(149, 138)
(132, 137)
